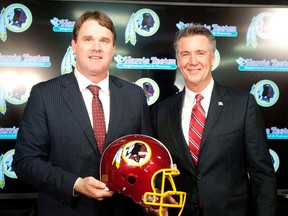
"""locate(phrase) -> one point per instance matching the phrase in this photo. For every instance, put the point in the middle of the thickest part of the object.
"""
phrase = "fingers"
(92, 188)
(151, 212)
(171, 200)
(155, 212)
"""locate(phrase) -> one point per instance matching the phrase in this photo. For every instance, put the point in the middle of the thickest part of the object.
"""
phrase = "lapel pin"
(220, 103)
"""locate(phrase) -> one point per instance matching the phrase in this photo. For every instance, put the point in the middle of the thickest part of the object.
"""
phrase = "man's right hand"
(92, 188)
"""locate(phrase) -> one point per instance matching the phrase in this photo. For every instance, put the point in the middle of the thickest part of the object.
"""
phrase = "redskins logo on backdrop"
(217, 60)
(68, 61)
(265, 92)
(261, 26)
(144, 22)
(16, 18)
(150, 88)
(7, 164)
(3, 107)
(275, 159)
(16, 92)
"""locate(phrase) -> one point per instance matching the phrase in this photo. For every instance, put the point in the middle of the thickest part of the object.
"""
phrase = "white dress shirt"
(104, 95)
(189, 101)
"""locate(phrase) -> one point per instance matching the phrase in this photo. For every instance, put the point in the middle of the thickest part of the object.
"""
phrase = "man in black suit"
(233, 172)
(56, 150)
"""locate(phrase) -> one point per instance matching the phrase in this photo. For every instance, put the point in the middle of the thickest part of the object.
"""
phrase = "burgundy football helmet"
(132, 165)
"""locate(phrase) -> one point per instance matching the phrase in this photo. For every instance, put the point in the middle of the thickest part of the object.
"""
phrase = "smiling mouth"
(95, 57)
(194, 70)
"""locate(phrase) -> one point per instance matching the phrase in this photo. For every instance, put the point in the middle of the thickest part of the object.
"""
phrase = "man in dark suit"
(56, 150)
(232, 174)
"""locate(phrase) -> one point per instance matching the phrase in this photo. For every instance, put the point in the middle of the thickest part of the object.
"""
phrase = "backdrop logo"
(7, 164)
(62, 25)
(145, 22)
(265, 92)
(277, 133)
(16, 18)
(3, 107)
(153, 63)
(217, 60)
(68, 61)
(150, 89)
(16, 93)
(275, 159)
(261, 26)
(216, 30)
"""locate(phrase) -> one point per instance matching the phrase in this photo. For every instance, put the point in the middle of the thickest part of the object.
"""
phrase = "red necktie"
(98, 118)
(196, 127)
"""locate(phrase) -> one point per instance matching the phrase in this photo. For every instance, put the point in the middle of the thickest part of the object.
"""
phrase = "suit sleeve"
(260, 167)
(32, 148)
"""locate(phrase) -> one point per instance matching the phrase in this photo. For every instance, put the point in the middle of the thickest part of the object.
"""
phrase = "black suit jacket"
(235, 175)
(56, 145)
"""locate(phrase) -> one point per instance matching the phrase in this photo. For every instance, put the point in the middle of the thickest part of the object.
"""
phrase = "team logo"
(264, 23)
(265, 92)
(135, 153)
(261, 26)
(217, 60)
(145, 22)
(275, 159)
(150, 88)
(17, 17)
(7, 164)
(16, 93)
(68, 61)
(2, 101)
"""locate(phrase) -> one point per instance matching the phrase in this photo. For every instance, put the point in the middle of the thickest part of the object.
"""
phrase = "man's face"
(195, 61)
(94, 50)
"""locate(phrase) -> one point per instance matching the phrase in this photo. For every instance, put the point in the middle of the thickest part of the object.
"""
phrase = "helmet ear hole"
(132, 179)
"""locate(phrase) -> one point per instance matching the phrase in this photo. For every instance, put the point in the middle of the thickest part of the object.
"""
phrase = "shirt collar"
(83, 82)
(206, 93)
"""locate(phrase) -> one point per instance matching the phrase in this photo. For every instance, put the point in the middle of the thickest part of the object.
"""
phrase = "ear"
(213, 58)
(73, 44)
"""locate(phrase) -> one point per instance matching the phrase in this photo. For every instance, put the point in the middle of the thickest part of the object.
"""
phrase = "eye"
(201, 53)
(105, 41)
(184, 54)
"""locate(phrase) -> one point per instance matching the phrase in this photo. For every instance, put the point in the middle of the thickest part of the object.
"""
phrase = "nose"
(96, 46)
(193, 59)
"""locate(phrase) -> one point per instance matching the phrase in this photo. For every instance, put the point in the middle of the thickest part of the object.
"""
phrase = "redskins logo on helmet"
(140, 167)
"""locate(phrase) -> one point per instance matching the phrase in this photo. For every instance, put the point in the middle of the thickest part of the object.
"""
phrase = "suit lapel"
(218, 101)
(74, 100)
(181, 146)
(116, 109)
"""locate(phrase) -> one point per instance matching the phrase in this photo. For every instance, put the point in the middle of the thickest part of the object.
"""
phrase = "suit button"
(199, 177)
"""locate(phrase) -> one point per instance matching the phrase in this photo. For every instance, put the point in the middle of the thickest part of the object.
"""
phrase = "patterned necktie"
(98, 118)
(196, 128)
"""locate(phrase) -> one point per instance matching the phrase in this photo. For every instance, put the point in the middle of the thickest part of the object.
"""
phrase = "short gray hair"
(195, 29)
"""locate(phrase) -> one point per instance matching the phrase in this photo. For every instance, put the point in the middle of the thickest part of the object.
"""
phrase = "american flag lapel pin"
(220, 103)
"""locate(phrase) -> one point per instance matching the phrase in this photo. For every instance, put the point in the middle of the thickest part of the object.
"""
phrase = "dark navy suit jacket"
(235, 175)
(56, 145)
